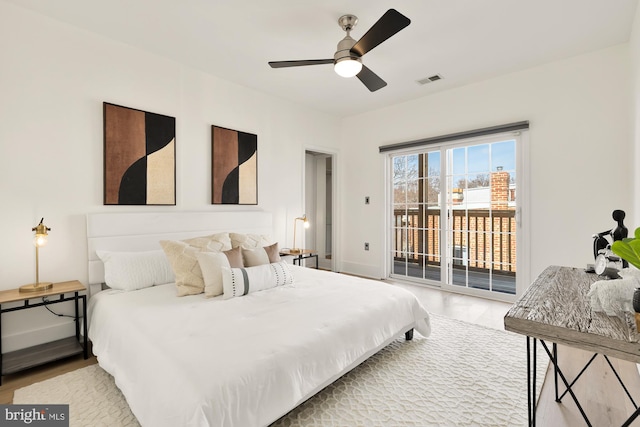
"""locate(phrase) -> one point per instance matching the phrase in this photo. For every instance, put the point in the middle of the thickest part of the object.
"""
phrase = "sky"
(473, 159)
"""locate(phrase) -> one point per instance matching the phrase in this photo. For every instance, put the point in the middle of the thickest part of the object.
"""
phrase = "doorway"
(319, 204)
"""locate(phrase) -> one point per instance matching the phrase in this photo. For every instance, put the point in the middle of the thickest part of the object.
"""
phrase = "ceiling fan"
(348, 58)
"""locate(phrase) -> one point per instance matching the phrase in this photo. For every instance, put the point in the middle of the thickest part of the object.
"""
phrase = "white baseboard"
(38, 336)
(364, 270)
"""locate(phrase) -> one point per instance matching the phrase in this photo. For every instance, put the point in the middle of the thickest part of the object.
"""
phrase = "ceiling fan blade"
(283, 64)
(389, 24)
(370, 79)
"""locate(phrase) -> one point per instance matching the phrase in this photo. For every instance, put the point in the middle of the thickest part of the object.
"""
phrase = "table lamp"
(305, 221)
(40, 240)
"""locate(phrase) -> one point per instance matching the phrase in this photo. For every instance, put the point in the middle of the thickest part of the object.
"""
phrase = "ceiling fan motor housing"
(344, 50)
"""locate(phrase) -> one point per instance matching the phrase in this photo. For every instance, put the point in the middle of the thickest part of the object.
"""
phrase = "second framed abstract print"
(234, 164)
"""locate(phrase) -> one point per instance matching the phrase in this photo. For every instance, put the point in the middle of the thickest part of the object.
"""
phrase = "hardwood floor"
(598, 391)
(11, 383)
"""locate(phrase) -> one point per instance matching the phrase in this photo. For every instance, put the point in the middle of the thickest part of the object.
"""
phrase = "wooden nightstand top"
(12, 295)
(302, 252)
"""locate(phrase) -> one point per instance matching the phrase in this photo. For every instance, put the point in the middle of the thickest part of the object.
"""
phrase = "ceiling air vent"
(430, 79)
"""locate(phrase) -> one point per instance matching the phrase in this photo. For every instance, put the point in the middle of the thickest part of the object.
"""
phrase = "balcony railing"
(482, 239)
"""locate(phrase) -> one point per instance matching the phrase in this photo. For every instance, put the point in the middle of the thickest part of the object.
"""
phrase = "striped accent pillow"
(237, 282)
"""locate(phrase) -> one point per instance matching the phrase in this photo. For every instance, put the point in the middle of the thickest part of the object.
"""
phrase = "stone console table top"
(555, 308)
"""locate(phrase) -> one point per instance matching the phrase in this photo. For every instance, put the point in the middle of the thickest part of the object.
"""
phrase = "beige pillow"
(211, 264)
(249, 241)
(213, 243)
(254, 257)
(235, 257)
(183, 260)
(273, 252)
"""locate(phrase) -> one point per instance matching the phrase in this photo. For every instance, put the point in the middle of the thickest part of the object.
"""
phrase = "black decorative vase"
(636, 300)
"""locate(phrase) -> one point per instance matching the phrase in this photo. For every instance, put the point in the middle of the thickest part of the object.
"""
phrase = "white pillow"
(135, 270)
(211, 264)
(242, 281)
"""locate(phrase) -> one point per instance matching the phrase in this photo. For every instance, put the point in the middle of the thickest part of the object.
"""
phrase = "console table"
(299, 256)
(555, 309)
(33, 356)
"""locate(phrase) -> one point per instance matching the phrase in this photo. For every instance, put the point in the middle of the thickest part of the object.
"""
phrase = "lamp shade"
(41, 234)
(347, 67)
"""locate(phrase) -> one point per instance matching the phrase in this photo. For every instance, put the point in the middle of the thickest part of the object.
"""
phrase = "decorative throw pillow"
(249, 241)
(211, 264)
(213, 243)
(237, 282)
(253, 257)
(135, 270)
(235, 257)
(273, 252)
(182, 257)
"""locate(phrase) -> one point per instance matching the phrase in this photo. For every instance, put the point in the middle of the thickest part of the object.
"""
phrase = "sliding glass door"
(453, 219)
(416, 215)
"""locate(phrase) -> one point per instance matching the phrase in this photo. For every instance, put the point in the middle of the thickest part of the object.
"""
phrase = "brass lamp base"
(295, 251)
(36, 287)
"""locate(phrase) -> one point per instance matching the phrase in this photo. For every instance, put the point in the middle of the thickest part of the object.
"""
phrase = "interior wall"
(634, 53)
(53, 81)
(320, 229)
(325, 235)
(580, 153)
(310, 208)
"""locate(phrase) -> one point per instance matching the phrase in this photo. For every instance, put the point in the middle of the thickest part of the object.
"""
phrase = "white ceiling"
(463, 40)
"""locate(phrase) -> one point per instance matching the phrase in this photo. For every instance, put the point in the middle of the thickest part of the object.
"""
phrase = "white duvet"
(246, 361)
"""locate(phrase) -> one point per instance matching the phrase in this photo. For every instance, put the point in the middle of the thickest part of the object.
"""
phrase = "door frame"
(335, 196)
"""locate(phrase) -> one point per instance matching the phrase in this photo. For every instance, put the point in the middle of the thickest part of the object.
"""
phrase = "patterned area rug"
(462, 375)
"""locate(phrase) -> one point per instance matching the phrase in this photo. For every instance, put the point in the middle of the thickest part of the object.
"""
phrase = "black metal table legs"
(553, 357)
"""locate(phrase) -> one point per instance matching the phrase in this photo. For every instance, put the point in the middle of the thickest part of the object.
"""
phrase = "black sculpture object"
(620, 232)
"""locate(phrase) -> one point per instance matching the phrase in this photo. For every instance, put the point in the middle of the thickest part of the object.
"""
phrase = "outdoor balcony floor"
(477, 279)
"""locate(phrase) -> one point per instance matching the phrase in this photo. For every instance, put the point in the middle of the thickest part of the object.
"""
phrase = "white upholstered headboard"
(141, 231)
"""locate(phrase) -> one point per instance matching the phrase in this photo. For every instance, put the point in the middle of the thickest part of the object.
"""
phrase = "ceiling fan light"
(347, 67)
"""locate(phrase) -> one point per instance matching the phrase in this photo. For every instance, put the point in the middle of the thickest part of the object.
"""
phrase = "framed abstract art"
(139, 157)
(234, 167)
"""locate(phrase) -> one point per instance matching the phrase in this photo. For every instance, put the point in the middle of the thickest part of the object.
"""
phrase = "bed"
(243, 361)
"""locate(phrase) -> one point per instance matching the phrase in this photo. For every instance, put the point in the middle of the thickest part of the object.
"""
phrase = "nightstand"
(299, 256)
(19, 360)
